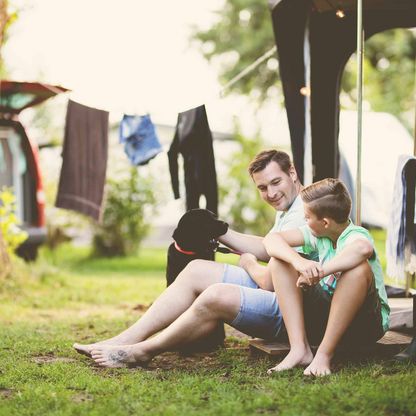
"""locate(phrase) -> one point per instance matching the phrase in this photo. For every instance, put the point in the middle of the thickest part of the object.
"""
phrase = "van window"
(13, 166)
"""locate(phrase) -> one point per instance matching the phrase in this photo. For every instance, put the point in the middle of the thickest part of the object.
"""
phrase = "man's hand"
(247, 259)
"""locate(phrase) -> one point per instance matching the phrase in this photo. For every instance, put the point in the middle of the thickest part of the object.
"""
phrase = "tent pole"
(360, 47)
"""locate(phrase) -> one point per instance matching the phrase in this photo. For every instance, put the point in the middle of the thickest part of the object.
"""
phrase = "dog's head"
(198, 230)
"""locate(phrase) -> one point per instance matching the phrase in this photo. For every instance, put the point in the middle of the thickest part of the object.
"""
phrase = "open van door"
(16, 96)
(19, 162)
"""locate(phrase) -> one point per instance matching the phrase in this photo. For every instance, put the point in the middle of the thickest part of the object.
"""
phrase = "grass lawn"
(68, 297)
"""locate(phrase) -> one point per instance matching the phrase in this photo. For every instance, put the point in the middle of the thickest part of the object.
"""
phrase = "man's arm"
(245, 243)
(258, 272)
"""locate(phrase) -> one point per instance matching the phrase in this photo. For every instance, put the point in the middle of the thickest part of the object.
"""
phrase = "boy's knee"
(275, 263)
(361, 272)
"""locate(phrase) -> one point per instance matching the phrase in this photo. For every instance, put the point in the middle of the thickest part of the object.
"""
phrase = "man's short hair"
(262, 159)
(328, 198)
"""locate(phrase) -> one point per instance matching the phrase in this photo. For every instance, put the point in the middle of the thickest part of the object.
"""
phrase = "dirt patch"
(6, 393)
(82, 398)
(176, 361)
(141, 307)
(50, 358)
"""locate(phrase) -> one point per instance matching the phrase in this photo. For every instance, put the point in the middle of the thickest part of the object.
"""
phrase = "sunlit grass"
(46, 307)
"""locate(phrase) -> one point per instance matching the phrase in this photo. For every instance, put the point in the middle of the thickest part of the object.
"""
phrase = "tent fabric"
(331, 43)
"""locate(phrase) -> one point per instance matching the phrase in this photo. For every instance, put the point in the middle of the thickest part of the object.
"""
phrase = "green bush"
(241, 203)
(13, 236)
(129, 204)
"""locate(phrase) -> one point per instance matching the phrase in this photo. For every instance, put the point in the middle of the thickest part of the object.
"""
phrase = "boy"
(340, 298)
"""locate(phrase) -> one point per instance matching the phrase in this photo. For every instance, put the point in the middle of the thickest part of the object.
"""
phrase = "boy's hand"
(305, 281)
(310, 272)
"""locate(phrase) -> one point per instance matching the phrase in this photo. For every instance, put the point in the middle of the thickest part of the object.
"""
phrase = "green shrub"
(129, 204)
(13, 236)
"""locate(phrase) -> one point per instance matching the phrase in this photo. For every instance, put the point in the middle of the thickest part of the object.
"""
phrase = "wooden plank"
(268, 347)
(391, 338)
(400, 303)
(395, 338)
(401, 313)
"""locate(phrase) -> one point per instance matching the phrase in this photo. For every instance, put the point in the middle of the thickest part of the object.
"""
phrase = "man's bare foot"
(320, 366)
(86, 349)
(120, 356)
(297, 357)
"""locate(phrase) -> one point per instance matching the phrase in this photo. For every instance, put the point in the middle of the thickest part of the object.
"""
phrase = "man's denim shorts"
(259, 314)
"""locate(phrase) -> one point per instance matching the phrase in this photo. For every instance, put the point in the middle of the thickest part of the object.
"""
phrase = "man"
(206, 292)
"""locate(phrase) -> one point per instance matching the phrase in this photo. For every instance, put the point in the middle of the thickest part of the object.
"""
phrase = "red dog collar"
(189, 253)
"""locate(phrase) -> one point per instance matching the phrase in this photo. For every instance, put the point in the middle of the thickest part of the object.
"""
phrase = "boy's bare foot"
(114, 356)
(320, 366)
(297, 357)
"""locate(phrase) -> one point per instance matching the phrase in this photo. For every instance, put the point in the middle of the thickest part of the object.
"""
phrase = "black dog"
(196, 238)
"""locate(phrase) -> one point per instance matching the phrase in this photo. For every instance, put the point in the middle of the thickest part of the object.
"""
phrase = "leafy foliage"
(246, 211)
(130, 202)
(242, 33)
(8, 15)
(389, 73)
(13, 236)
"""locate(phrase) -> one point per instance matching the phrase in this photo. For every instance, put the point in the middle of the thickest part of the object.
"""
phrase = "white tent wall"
(384, 138)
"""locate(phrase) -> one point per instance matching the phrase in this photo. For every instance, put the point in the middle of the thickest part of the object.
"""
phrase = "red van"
(19, 162)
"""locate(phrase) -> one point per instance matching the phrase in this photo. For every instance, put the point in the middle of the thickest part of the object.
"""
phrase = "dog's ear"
(208, 223)
(219, 228)
(197, 228)
(187, 233)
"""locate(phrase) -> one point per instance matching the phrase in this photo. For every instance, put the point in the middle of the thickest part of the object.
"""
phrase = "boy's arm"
(279, 245)
(354, 253)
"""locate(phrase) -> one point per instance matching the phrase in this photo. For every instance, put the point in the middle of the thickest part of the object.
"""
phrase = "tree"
(244, 32)
(7, 17)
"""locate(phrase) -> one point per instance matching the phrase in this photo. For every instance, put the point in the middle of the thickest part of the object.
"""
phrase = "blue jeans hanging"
(139, 137)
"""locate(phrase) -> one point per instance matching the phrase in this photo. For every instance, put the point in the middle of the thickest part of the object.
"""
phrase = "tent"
(313, 45)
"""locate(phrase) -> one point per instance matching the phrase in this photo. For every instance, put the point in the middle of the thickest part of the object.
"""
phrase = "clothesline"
(247, 70)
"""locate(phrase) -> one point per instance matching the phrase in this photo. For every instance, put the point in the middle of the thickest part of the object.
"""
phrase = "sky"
(131, 56)
(124, 55)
